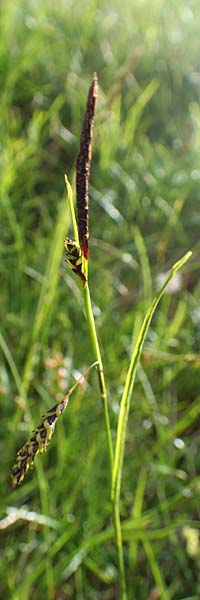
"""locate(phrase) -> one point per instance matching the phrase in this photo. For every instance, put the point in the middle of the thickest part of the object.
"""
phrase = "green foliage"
(57, 537)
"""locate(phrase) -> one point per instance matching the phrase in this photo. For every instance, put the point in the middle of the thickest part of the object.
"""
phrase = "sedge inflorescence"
(77, 251)
(37, 443)
(83, 168)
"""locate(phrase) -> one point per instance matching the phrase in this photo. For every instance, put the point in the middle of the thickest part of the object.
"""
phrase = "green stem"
(118, 541)
(103, 393)
(116, 513)
(92, 328)
(97, 354)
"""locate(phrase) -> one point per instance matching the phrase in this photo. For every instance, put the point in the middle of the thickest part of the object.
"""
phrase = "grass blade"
(123, 419)
(125, 403)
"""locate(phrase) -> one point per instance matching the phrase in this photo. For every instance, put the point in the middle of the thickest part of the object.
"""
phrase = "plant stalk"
(103, 394)
(120, 553)
(102, 385)
(93, 333)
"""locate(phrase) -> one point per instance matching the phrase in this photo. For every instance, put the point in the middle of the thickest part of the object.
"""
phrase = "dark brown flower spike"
(41, 436)
(83, 168)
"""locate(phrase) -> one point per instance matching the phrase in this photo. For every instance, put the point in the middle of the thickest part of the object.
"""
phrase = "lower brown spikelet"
(41, 436)
(37, 443)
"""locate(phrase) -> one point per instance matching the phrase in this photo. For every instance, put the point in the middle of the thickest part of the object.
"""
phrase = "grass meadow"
(57, 533)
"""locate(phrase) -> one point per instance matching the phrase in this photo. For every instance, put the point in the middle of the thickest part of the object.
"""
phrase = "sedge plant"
(77, 259)
(79, 264)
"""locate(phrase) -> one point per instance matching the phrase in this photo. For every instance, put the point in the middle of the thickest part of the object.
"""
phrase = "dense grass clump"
(58, 538)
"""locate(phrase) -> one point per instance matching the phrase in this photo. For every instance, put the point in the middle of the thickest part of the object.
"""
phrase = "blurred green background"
(56, 530)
